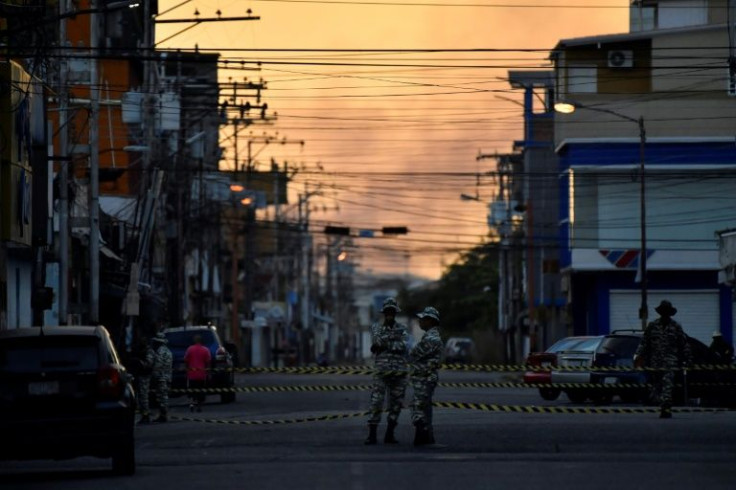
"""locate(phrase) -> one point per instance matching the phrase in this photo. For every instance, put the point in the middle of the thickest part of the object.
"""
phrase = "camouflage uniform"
(390, 347)
(161, 374)
(425, 359)
(664, 348)
(144, 381)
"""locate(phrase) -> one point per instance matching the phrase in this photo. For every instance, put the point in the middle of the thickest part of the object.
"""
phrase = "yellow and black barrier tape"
(484, 407)
(367, 370)
(568, 410)
(308, 388)
(317, 418)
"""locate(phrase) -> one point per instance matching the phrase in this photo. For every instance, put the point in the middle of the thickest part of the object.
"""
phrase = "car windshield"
(575, 343)
(184, 338)
(51, 353)
(620, 346)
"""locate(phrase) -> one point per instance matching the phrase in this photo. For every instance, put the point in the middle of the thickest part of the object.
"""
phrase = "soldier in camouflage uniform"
(161, 374)
(146, 359)
(664, 348)
(425, 360)
(389, 345)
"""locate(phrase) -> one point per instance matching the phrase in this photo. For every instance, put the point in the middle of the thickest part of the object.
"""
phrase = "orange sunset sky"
(387, 142)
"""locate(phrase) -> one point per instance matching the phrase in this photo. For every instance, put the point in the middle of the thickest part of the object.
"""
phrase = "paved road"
(483, 449)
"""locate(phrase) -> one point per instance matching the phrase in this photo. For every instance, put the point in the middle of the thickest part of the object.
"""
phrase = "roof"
(189, 328)
(51, 331)
(528, 78)
(634, 36)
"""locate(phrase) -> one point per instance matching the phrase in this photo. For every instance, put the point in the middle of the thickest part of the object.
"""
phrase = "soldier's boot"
(372, 437)
(421, 434)
(162, 417)
(389, 437)
(665, 412)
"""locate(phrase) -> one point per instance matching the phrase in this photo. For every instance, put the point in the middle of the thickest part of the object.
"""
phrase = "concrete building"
(660, 99)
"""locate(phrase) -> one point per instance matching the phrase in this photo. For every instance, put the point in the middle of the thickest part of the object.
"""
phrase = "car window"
(622, 347)
(587, 345)
(184, 338)
(53, 353)
(569, 343)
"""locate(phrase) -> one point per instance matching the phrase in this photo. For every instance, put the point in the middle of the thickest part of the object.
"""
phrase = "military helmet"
(390, 304)
(430, 312)
(160, 338)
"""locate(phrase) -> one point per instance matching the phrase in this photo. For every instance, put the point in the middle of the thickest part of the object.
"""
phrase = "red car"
(546, 359)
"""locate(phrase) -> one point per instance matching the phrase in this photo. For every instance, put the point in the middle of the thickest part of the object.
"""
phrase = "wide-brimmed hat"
(390, 304)
(666, 308)
(430, 312)
(160, 337)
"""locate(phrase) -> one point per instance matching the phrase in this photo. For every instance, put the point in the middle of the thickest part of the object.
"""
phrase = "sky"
(391, 131)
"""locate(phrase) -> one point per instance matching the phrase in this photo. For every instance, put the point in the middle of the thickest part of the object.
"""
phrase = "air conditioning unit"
(620, 59)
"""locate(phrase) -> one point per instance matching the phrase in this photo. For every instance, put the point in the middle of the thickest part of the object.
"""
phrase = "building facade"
(651, 138)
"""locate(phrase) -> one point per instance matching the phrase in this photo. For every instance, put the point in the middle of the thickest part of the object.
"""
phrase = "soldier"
(425, 360)
(663, 347)
(161, 374)
(146, 358)
(390, 348)
(722, 350)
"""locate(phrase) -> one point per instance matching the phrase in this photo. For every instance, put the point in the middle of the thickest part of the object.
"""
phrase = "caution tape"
(273, 389)
(367, 370)
(569, 410)
(324, 388)
(318, 418)
(484, 407)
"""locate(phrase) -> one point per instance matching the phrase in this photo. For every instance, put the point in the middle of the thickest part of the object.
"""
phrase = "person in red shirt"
(197, 357)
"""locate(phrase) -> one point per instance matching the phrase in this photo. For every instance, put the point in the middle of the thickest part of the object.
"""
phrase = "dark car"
(65, 394)
(617, 351)
(221, 375)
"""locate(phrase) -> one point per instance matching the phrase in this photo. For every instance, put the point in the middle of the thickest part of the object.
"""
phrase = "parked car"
(716, 387)
(459, 350)
(578, 359)
(548, 358)
(222, 374)
(65, 394)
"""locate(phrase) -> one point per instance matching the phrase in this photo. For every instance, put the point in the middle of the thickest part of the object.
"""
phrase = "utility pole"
(63, 170)
(94, 171)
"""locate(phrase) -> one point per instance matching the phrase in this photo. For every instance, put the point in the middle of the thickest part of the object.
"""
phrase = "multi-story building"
(652, 137)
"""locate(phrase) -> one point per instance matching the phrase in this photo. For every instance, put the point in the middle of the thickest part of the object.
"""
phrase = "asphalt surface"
(262, 441)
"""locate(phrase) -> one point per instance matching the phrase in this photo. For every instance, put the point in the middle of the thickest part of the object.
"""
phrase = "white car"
(579, 360)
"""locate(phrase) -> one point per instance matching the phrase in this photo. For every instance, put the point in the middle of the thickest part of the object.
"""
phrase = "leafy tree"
(466, 295)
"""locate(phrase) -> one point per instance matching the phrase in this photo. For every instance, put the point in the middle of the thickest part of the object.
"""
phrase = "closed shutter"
(697, 311)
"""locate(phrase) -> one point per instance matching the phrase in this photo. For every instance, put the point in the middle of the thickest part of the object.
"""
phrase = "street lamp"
(569, 108)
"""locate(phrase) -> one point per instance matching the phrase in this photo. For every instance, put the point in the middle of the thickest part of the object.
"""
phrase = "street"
(482, 449)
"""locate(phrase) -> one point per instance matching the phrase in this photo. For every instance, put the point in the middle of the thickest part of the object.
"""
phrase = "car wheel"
(123, 460)
(602, 398)
(576, 396)
(549, 394)
(228, 397)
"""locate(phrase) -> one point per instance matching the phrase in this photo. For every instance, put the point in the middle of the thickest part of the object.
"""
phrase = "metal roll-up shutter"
(698, 311)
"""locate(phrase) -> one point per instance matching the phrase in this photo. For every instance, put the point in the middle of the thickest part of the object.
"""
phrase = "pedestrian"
(144, 367)
(389, 345)
(722, 350)
(425, 360)
(663, 348)
(161, 374)
(197, 358)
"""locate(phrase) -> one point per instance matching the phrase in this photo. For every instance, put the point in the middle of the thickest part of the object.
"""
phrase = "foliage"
(466, 295)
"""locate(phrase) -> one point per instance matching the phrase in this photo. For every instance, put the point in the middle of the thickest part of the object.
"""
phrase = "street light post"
(569, 108)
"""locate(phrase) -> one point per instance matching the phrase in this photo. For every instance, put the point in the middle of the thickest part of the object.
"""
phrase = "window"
(582, 79)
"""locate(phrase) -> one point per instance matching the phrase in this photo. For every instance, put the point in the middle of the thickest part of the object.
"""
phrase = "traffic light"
(395, 230)
(337, 230)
